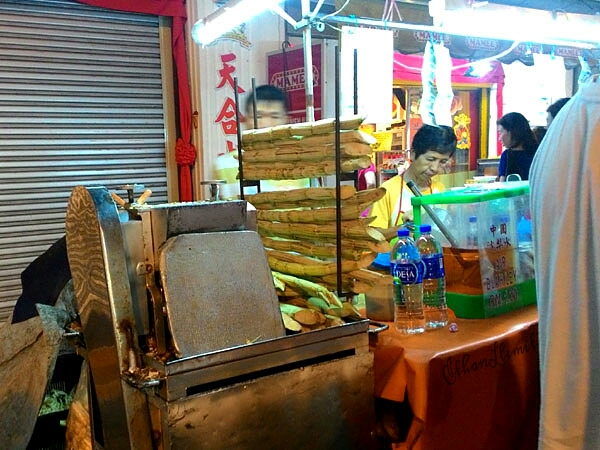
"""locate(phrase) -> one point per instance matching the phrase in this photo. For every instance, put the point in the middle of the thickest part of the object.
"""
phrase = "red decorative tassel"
(185, 155)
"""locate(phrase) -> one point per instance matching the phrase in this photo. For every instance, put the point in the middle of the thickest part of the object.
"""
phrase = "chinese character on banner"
(226, 116)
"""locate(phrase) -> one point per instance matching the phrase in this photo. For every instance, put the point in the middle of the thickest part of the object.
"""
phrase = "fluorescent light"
(227, 17)
(523, 25)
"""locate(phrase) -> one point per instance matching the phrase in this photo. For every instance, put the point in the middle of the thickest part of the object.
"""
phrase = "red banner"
(286, 71)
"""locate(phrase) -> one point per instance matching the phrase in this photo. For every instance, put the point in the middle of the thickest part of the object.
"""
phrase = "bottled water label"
(434, 266)
(408, 272)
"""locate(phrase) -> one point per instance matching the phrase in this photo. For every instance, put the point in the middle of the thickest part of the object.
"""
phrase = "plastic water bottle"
(434, 280)
(472, 233)
(407, 269)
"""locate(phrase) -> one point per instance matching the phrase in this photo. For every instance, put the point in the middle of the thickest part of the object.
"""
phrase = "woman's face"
(504, 136)
(428, 165)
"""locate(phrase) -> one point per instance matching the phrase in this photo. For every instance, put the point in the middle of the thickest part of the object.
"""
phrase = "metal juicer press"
(184, 339)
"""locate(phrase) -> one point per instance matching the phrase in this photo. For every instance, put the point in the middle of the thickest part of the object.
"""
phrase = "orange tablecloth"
(475, 389)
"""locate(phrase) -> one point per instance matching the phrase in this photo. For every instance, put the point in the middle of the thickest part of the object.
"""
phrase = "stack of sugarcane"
(298, 227)
(304, 150)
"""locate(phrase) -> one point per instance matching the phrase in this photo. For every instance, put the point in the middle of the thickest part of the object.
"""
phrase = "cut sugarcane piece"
(309, 288)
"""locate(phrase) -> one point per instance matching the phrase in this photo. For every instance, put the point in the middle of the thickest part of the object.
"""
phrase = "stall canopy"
(412, 41)
(408, 68)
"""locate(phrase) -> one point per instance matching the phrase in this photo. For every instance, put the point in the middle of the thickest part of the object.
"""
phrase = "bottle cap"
(425, 228)
(403, 232)
(472, 219)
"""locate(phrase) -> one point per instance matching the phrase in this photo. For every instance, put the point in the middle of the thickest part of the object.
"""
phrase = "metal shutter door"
(81, 102)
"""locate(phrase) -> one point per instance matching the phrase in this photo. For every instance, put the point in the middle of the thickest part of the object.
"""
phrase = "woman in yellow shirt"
(432, 147)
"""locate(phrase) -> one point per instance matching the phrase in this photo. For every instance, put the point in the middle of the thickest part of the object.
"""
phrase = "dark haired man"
(271, 110)
(432, 148)
(271, 107)
(554, 108)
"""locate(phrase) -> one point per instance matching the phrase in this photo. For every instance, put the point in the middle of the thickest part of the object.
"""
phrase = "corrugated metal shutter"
(81, 102)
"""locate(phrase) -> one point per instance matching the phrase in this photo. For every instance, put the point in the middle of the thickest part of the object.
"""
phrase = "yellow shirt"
(388, 211)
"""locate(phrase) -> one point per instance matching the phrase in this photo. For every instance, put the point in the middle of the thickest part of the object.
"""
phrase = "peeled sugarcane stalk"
(296, 301)
(322, 126)
(301, 266)
(320, 215)
(380, 246)
(348, 284)
(293, 171)
(346, 137)
(363, 197)
(315, 249)
(288, 292)
(354, 229)
(298, 154)
(294, 195)
(363, 276)
(309, 288)
(371, 277)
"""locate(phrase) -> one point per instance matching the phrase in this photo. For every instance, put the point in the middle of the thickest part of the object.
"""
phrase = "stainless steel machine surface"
(185, 342)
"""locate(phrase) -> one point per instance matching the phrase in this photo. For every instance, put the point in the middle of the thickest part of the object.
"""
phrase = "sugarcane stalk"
(365, 197)
(322, 126)
(294, 171)
(365, 276)
(300, 154)
(357, 229)
(293, 195)
(320, 215)
(346, 137)
(302, 266)
(349, 284)
(316, 249)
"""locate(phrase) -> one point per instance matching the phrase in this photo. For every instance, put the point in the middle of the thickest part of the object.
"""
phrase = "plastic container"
(380, 298)
(226, 168)
(496, 276)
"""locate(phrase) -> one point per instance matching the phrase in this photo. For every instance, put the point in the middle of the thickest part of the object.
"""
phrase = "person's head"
(554, 108)
(432, 148)
(539, 133)
(514, 132)
(271, 107)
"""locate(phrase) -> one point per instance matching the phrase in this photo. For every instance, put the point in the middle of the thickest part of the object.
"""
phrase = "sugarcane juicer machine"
(184, 337)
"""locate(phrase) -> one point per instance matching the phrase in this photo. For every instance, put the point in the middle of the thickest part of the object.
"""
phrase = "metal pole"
(355, 81)
(239, 136)
(308, 64)
(338, 176)
(254, 114)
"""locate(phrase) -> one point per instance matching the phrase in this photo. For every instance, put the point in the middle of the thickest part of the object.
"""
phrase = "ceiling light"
(227, 17)
(523, 25)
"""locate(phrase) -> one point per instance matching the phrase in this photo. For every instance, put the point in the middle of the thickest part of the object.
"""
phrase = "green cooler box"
(489, 270)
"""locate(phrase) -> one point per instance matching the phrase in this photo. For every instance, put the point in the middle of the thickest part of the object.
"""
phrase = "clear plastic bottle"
(434, 280)
(407, 269)
(472, 233)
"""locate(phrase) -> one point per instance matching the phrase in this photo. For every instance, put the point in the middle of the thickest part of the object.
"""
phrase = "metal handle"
(415, 190)
(379, 327)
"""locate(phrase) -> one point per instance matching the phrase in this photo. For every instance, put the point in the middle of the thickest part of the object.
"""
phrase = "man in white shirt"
(565, 209)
